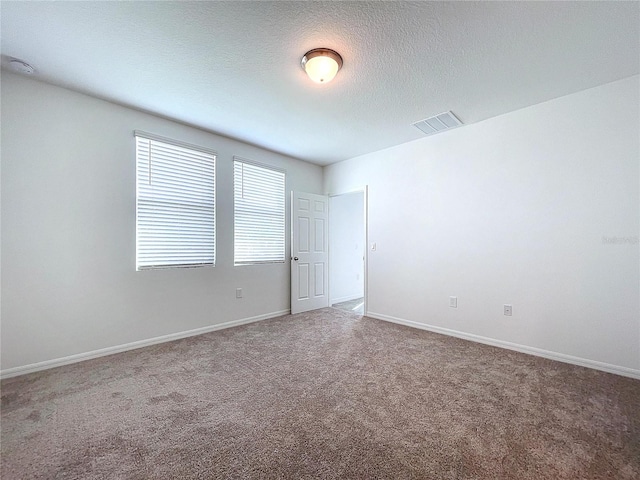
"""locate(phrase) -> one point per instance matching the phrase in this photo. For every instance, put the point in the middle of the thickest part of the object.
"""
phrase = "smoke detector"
(438, 123)
(19, 66)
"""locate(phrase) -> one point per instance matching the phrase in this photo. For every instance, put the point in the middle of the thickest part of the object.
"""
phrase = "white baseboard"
(58, 362)
(561, 357)
(347, 298)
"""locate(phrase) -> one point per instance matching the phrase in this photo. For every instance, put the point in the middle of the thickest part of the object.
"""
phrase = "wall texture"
(69, 283)
(346, 247)
(538, 208)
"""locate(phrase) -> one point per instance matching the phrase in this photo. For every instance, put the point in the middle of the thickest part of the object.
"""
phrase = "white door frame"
(365, 193)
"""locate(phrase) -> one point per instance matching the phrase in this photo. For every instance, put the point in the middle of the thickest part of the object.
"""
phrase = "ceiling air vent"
(438, 123)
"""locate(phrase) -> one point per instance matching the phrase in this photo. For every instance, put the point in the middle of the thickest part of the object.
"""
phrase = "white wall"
(69, 283)
(514, 210)
(346, 247)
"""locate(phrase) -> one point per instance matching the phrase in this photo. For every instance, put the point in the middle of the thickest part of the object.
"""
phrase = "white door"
(309, 252)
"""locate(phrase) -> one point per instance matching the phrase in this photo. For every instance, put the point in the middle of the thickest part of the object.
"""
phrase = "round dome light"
(321, 64)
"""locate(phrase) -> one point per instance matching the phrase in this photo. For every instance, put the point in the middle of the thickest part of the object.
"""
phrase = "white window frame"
(176, 216)
(250, 225)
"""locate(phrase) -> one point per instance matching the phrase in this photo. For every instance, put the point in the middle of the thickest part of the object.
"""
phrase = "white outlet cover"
(453, 302)
(508, 310)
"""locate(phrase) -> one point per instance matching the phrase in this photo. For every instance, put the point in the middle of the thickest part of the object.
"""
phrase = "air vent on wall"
(438, 123)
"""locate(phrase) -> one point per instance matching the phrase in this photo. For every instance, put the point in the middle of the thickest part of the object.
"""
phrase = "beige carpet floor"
(327, 394)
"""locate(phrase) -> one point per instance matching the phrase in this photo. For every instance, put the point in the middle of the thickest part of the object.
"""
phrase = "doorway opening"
(347, 251)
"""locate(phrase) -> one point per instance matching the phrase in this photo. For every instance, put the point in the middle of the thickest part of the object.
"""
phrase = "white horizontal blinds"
(259, 214)
(175, 205)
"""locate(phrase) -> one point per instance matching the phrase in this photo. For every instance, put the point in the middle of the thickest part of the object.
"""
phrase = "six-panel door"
(309, 252)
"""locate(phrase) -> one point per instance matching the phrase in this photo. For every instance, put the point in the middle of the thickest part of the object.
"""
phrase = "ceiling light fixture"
(321, 64)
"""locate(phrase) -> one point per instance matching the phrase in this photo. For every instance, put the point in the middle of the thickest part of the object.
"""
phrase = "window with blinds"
(175, 210)
(259, 213)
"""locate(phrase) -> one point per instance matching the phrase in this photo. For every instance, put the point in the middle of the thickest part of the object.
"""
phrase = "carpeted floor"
(326, 394)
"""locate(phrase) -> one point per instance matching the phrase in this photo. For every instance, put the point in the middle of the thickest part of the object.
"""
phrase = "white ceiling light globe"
(321, 64)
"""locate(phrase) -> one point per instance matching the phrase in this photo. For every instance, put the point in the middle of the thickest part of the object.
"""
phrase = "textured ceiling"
(234, 67)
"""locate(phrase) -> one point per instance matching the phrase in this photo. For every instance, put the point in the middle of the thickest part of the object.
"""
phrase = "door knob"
(295, 258)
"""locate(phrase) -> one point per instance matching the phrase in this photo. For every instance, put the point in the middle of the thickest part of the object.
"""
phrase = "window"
(175, 210)
(258, 213)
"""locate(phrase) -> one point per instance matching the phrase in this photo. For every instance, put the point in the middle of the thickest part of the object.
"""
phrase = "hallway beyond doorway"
(355, 306)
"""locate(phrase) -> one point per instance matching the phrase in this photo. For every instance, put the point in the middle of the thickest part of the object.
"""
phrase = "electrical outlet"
(238, 293)
(453, 302)
(507, 310)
